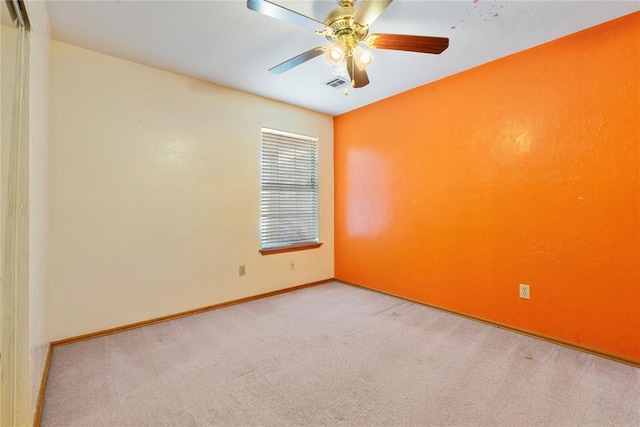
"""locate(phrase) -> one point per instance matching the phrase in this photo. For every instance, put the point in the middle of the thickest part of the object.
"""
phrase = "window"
(289, 192)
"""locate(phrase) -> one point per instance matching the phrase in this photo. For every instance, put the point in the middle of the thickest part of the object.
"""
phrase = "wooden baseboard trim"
(181, 314)
(558, 341)
(43, 386)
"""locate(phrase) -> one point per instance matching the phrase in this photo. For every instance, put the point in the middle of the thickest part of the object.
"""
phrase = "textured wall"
(156, 193)
(524, 170)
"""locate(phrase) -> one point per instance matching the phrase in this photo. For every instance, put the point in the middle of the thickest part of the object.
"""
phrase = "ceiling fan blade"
(275, 11)
(423, 44)
(369, 10)
(297, 60)
(358, 76)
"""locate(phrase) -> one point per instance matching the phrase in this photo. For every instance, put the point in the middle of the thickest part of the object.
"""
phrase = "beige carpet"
(333, 355)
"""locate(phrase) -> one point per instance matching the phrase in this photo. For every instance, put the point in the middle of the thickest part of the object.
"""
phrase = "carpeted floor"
(333, 355)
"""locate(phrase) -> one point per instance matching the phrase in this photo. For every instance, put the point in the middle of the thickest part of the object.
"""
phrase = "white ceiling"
(225, 43)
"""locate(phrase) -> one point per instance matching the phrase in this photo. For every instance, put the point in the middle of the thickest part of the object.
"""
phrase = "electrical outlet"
(524, 291)
(292, 265)
(242, 270)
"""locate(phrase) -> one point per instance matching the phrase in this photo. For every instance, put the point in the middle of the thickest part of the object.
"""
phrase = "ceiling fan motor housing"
(342, 26)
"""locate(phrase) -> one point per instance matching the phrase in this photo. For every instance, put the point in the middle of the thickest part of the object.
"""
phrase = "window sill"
(290, 248)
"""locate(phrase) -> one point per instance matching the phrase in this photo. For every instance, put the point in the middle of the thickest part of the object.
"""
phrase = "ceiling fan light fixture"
(335, 54)
(363, 57)
(341, 71)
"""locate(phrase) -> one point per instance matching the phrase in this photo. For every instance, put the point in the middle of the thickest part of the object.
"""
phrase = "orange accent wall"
(523, 170)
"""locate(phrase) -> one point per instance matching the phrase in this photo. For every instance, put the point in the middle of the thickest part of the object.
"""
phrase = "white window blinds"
(289, 189)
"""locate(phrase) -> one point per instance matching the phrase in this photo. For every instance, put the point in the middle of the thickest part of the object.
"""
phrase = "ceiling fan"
(347, 27)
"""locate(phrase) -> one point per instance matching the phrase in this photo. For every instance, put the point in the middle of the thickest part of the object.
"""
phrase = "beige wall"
(155, 193)
(39, 134)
